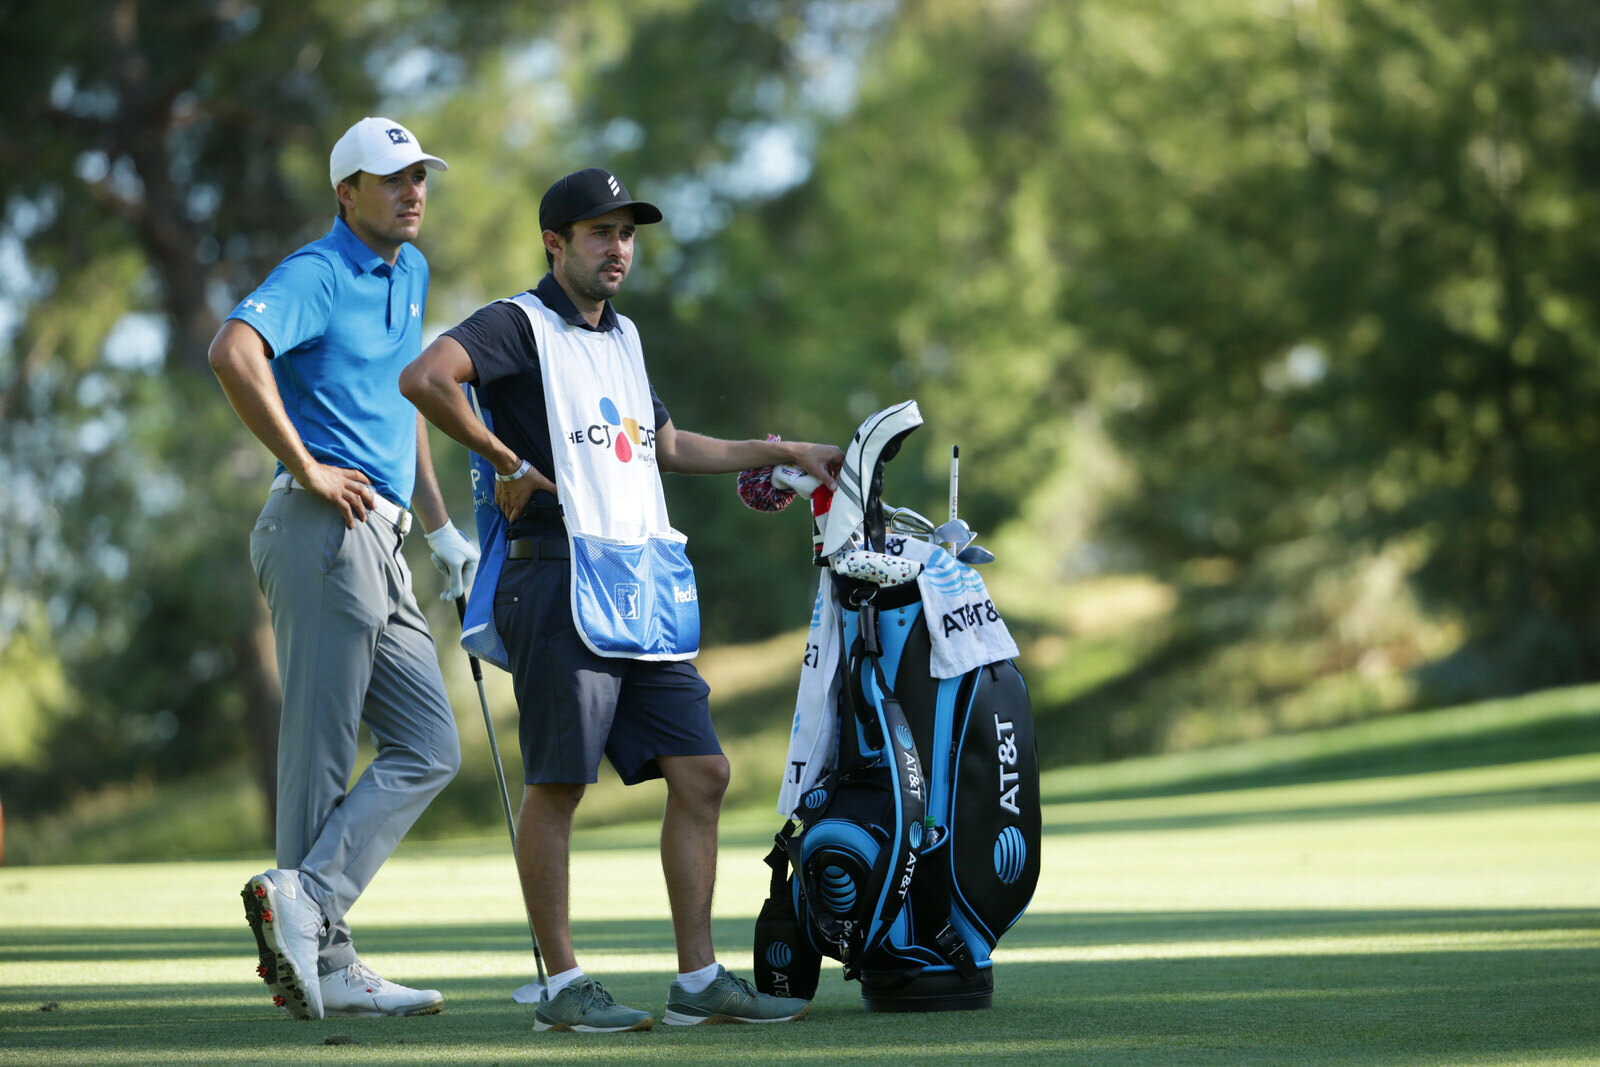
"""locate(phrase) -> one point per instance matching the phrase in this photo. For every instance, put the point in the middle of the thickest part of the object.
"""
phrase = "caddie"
(596, 602)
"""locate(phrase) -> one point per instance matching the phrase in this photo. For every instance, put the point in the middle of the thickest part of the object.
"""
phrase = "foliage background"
(1267, 329)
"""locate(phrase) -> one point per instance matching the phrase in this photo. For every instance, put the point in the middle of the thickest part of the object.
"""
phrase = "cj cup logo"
(625, 596)
(622, 435)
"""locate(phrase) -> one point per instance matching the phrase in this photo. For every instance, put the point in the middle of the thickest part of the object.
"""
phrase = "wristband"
(520, 471)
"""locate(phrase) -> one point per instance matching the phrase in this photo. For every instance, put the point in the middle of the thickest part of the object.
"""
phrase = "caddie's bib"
(633, 588)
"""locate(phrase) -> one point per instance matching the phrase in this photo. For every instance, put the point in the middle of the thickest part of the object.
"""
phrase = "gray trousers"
(352, 647)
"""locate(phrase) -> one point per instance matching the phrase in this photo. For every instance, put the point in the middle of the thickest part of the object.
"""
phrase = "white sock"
(558, 982)
(697, 981)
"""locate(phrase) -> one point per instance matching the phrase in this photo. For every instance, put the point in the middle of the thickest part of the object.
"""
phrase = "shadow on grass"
(1087, 930)
(99, 944)
(1173, 987)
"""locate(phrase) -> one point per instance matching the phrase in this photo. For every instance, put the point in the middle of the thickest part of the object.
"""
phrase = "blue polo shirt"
(340, 324)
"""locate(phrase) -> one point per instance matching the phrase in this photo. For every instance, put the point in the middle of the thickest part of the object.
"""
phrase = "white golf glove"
(456, 557)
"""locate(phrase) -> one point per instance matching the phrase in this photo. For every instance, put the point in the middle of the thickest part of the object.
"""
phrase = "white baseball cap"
(377, 146)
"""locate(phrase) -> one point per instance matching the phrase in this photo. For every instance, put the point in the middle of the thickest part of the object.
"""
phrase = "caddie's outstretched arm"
(683, 452)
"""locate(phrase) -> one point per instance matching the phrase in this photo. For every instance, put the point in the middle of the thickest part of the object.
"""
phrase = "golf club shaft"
(500, 776)
(955, 482)
(955, 477)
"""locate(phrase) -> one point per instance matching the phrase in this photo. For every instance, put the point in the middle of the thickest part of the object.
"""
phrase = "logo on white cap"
(377, 146)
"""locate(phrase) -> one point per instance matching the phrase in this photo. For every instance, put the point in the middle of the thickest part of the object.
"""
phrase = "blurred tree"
(159, 158)
(1320, 268)
(1343, 249)
(162, 158)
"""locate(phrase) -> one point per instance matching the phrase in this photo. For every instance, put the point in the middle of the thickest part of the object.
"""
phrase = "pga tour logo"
(628, 598)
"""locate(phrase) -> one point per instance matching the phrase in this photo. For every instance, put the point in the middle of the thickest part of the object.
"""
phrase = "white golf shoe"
(358, 990)
(288, 925)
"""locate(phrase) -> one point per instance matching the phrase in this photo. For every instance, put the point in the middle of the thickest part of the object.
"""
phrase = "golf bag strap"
(953, 948)
(861, 707)
(781, 858)
(884, 726)
(910, 787)
(867, 623)
(790, 844)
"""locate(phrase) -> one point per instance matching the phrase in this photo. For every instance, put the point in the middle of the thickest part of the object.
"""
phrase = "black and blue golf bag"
(919, 847)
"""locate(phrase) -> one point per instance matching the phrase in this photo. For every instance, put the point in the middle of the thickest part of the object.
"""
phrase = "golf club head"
(908, 522)
(954, 532)
(975, 555)
(955, 536)
(528, 994)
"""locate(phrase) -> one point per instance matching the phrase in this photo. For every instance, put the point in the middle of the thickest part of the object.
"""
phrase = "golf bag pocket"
(994, 859)
(842, 861)
(635, 600)
(786, 963)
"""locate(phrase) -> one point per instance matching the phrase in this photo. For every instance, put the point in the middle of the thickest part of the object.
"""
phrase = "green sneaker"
(585, 1007)
(729, 999)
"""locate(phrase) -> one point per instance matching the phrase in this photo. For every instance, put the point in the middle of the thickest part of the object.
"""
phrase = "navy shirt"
(340, 324)
(499, 340)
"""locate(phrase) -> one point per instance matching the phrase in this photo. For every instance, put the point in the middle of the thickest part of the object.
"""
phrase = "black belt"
(537, 548)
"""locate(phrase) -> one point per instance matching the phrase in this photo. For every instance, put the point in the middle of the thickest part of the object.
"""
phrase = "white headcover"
(861, 459)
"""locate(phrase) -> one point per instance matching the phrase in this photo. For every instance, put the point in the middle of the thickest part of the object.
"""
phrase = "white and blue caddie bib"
(633, 588)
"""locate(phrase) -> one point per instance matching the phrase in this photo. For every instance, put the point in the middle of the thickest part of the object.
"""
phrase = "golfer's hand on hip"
(348, 490)
(456, 557)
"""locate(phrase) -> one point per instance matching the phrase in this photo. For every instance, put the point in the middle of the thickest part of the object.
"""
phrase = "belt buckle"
(404, 525)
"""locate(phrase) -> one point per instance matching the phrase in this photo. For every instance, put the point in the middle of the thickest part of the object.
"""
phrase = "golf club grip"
(461, 616)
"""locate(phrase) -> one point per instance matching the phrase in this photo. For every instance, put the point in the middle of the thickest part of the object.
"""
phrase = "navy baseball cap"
(588, 194)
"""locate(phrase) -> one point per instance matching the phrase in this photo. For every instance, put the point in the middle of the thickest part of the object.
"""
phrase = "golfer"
(596, 602)
(311, 362)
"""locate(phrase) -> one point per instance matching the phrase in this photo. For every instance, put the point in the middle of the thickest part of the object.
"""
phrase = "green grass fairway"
(1409, 891)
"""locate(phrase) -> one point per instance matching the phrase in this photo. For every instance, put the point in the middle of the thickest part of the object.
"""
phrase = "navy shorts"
(574, 706)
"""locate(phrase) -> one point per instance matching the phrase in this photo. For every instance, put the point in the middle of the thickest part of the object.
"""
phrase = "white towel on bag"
(965, 631)
(964, 626)
(811, 740)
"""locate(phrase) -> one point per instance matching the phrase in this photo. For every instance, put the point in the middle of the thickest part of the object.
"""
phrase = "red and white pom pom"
(758, 492)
